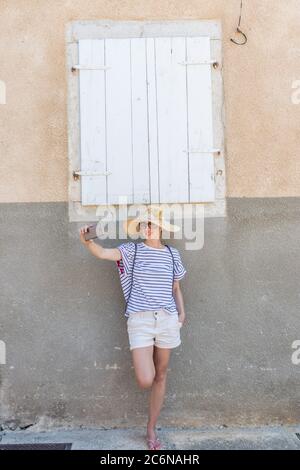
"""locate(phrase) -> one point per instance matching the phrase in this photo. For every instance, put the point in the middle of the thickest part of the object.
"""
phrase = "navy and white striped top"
(153, 277)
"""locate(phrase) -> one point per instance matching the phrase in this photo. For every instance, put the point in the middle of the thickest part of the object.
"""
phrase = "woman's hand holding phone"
(83, 230)
(87, 235)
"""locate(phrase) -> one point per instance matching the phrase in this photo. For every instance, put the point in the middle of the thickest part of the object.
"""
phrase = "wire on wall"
(239, 31)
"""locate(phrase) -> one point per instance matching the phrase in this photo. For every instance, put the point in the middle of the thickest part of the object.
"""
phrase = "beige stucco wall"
(261, 121)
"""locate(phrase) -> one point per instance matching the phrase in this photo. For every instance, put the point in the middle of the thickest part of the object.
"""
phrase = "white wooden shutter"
(146, 120)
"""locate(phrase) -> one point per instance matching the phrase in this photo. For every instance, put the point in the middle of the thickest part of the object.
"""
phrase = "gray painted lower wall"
(68, 359)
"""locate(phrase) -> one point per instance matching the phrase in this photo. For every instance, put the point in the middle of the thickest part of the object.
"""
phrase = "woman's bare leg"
(161, 358)
(143, 366)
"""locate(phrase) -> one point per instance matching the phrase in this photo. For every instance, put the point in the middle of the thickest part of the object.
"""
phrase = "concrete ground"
(269, 438)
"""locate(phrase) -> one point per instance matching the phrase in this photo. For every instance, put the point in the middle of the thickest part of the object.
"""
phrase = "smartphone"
(91, 232)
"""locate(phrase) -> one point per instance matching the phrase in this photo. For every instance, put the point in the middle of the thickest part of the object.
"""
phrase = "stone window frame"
(90, 29)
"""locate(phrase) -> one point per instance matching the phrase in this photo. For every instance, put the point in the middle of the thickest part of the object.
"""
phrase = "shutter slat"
(200, 122)
(118, 120)
(92, 122)
(171, 119)
(140, 156)
(152, 121)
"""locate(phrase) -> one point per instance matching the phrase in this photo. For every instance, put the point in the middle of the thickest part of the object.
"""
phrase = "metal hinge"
(77, 174)
(201, 62)
(89, 67)
(218, 151)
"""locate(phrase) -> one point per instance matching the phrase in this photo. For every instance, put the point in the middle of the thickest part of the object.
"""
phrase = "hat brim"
(131, 226)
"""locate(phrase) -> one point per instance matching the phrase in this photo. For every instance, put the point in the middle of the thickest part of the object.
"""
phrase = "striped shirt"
(153, 277)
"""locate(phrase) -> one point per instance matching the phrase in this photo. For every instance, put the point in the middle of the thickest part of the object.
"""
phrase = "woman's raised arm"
(112, 254)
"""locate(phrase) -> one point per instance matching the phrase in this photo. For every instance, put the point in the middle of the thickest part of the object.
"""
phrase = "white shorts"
(153, 327)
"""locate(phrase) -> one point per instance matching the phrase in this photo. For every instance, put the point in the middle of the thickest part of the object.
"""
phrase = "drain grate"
(38, 446)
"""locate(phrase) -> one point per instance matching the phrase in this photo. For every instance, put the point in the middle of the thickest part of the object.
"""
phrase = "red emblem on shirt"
(121, 268)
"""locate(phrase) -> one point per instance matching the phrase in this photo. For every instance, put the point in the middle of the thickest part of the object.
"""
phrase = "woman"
(149, 273)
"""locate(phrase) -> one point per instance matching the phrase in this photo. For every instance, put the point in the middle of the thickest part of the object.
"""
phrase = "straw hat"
(152, 213)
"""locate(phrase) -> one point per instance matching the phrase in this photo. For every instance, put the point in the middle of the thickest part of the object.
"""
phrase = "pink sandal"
(154, 444)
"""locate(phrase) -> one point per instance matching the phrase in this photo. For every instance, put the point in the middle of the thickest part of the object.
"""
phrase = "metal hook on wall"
(243, 34)
(238, 29)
